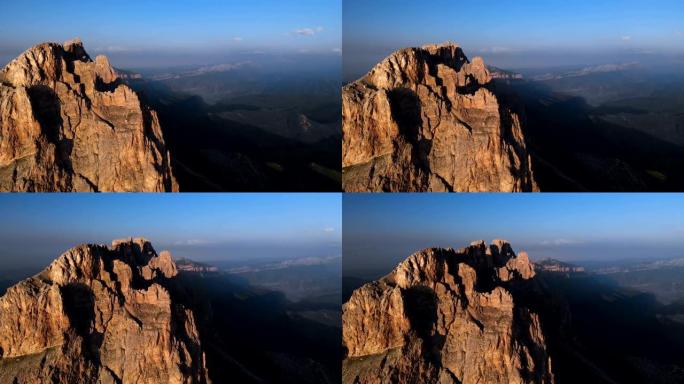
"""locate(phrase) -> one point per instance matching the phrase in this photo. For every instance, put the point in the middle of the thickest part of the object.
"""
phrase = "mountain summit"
(68, 123)
(101, 314)
(427, 119)
(447, 316)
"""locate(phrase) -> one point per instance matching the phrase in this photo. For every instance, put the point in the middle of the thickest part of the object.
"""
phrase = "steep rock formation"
(68, 123)
(426, 119)
(100, 314)
(447, 316)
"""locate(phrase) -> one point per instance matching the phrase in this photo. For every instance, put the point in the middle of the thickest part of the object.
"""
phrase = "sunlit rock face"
(100, 314)
(426, 119)
(447, 316)
(68, 123)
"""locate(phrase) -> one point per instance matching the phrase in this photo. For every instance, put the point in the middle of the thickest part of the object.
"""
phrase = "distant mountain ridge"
(188, 265)
(644, 266)
(203, 70)
(498, 73)
(552, 265)
(585, 71)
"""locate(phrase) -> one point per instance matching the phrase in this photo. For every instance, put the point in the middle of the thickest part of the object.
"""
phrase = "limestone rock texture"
(428, 119)
(100, 314)
(447, 316)
(68, 123)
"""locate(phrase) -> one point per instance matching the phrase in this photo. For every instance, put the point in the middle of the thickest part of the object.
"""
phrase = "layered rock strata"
(68, 123)
(427, 119)
(100, 314)
(447, 316)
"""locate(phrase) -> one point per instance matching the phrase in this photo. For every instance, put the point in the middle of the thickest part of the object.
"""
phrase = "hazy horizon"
(155, 33)
(382, 230)
(38, 228)
(516, 34)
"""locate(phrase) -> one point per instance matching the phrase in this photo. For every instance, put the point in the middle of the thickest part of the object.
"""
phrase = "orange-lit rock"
(100, 314)
(446, 316)
(426, 119)
(68, 123)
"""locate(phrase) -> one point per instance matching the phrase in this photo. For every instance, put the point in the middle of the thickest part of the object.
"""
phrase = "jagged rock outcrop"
(68, 123)
(447, 316)
(100, 314)
(427, 119)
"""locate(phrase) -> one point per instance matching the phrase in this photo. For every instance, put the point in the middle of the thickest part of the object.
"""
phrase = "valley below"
(267, 327)
(613, 127)
(248, 126)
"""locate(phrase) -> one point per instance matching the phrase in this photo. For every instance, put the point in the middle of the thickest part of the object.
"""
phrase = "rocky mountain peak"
(447, 316)
(75, 48)
(496, 260)
(428, 119)
(101, 314)
(68, 123)
(104, 70)
(84, 261)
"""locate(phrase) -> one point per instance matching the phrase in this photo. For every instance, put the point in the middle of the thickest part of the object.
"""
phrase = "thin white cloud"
(337, 50)
(679, 33)
(237, 39)
(112, 49)
(329, 229)
(307, 31)
(558, 242)
(190, 242)
(496, 50)
(626, 38)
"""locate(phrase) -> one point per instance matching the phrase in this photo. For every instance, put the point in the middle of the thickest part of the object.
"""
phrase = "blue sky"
(516, 33)
(37, 227)
(381, 230)
(126, 29)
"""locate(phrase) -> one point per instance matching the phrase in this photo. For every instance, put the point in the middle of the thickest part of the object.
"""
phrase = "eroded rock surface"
(427, 119)
(68, 123)
(100, 314)
(447, 316)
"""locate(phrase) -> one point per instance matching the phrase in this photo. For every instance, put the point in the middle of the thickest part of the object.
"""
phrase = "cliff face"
(100, 315)
(68, 123)
(426, 119)
(446, 316)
